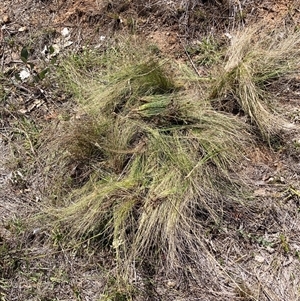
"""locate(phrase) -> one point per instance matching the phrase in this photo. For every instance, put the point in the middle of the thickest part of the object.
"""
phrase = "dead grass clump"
(165, 159)
(253, 60)
(83, 139)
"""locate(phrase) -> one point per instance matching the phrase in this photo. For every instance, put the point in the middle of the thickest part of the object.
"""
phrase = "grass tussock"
(162, 161)
(152, 157)
(254, 59)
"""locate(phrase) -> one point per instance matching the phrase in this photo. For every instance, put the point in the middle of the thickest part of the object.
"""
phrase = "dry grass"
(145, 169)
(254, 59)
(163, 159)
(147, 164)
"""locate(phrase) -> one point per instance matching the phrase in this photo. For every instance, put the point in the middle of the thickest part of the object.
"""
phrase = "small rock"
(24, 74)
(171, 284)
(65, 32)
(259, 258)
(36, 231)
(22, 29)
(228, 35)
(282, 180)
(271, 180)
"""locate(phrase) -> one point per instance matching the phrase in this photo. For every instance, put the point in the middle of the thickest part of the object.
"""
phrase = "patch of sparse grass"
(254, 59)
(23, 140)
(284, 243)
(244, 293)
(206, 52)
(2, 90)
(117, 289)
(10, 254)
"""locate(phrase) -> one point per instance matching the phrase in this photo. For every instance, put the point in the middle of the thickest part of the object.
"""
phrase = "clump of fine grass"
(254, 59)
(165, 159)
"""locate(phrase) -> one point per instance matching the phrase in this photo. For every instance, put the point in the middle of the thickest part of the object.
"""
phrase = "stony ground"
(267, 259)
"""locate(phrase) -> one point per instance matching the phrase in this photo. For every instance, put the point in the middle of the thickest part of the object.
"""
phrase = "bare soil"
(266, 259)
